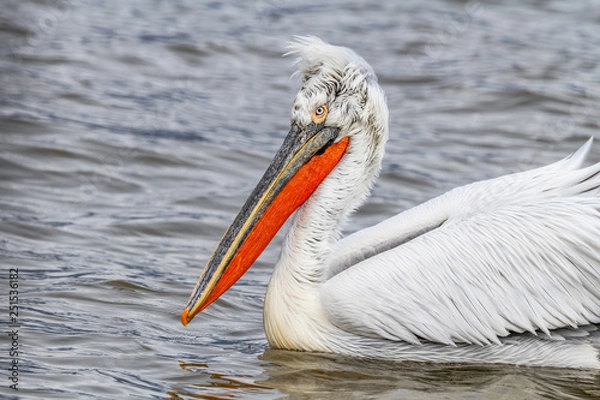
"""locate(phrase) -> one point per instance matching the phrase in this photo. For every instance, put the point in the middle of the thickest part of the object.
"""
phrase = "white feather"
(484, 273)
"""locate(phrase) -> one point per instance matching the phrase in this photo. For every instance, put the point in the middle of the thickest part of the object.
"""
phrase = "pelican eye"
(319, 114)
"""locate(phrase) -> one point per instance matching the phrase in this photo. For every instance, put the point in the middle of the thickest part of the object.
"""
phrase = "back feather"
(507, 255)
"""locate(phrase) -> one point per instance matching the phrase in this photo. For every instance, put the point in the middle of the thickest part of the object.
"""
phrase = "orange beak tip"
(184, 317)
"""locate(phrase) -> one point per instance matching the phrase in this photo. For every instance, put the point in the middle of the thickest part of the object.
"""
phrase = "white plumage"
(512, 254)
(489, 272)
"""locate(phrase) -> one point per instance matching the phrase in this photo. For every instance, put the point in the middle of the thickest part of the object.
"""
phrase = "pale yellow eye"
(319, 114)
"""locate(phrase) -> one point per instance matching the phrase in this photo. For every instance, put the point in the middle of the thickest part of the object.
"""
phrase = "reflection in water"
(211, 385)
(313, 375)
(296, 373)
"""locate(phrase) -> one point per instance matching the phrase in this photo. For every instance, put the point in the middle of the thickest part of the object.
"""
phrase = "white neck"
(293, 316)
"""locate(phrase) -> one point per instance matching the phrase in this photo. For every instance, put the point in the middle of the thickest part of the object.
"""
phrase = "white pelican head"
(339, 118)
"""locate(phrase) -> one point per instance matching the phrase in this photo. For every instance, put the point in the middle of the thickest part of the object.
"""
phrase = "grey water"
(132, 131)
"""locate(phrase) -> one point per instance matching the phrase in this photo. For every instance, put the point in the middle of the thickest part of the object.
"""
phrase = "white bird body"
(487, 272)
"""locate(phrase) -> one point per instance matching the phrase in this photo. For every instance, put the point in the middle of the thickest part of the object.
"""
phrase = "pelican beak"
(306, 157)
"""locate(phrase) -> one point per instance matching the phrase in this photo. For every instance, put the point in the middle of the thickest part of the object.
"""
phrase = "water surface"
(132, 131)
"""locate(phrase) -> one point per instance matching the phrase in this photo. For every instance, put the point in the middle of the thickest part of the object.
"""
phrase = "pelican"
(505, 270)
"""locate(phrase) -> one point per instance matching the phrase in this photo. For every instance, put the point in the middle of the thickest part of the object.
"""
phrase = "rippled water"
(131, 132)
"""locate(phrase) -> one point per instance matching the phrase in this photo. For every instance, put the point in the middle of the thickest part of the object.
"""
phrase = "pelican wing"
(512, 254)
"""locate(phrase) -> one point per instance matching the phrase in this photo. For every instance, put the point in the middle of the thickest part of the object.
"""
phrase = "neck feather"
(316, 226)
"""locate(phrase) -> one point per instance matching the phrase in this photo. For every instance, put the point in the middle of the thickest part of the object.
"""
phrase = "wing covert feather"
(500, 256)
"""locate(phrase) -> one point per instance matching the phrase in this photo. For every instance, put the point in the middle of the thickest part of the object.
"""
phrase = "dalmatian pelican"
(505, 270)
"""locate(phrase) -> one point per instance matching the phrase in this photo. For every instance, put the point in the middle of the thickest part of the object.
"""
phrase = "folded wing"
(513, 254)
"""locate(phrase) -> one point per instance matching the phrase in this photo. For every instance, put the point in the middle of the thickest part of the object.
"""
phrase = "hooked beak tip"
(184, 317)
